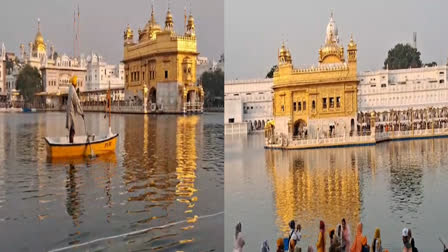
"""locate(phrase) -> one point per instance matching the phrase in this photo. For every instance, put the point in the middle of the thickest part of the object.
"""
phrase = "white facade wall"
(248, 101)
(56, 78)
(233, 112)
(167, 96)
(100, 74)
(204, 65)
(10, 82)
(3, 86)
(403, 89)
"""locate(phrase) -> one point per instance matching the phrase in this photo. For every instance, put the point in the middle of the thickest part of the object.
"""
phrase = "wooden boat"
(110, 158)
(59, 147)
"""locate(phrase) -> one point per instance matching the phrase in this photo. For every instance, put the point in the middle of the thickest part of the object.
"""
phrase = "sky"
(255, 29)
(102, 23)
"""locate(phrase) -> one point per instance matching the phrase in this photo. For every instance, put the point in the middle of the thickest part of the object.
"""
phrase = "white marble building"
(3, 86)
(100, 74)
(204, 65)
(56, 79)
(248, 102)
(403, 89)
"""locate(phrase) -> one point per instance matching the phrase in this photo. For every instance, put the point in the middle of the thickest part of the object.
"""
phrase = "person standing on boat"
(73, 108)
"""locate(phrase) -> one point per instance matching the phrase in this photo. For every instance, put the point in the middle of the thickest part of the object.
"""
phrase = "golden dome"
(39, 39)
(330, 49)
(190, 19)
(284, 54)
(283, 49)
(128, 34)
(152, 23)
(351, 44)
(169, 17)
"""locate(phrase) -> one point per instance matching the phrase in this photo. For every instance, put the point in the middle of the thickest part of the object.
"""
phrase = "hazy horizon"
(254, 31)
(102, 24)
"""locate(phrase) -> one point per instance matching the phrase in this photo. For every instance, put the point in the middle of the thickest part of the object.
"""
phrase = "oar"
(88, 140)
(444, 246)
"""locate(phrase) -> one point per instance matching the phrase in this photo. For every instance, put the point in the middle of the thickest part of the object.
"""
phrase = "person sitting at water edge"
(405, 237)
(73, 108)
(338, 237)
(376, 243)
(299, 232)
(411, 241)
(292, 245)
(365, 246)
(357, 243)
(292, 233)
(280, 245)
(345, 244)
(320, 245)
(335, 245)
(239, 241)
(265, 247)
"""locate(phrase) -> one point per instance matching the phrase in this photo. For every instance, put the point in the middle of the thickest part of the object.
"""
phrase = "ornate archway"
(152, 95)
(299, 127)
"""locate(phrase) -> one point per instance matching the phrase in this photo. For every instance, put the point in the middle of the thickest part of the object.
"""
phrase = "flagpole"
(110, 104)
(77, 36)
(185, 17)
(74, 33)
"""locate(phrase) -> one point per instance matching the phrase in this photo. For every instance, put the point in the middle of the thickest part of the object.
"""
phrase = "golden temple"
(313, 101)
(160, 69)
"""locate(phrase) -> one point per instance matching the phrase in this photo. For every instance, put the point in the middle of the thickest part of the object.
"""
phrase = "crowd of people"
(339, 240)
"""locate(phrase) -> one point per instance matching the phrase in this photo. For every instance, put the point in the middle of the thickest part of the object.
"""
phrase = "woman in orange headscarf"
(280, 245)
(357, 244)
(321, 240)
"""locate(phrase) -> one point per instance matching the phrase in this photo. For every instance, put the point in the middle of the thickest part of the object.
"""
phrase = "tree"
(403, 56)
(271, 72)
(432, 64)
(213, 84)
(29, 82)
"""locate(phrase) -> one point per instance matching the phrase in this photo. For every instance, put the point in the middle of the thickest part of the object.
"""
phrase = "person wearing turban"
(73, 108)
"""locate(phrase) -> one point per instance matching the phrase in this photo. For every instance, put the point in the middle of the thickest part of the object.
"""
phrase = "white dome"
(332, 32)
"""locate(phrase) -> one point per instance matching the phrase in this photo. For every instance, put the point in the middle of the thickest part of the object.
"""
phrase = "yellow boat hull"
(67, 150)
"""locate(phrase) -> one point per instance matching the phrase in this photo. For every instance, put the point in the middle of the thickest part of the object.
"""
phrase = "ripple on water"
(390, 186)
(156, 177)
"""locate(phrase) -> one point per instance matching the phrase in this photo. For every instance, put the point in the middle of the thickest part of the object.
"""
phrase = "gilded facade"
(318, 101)
(160, 68)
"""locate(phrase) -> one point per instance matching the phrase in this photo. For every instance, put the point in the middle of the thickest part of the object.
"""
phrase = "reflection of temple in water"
(160, 167)
(312, 185)
(186, 156)
(149, 144)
